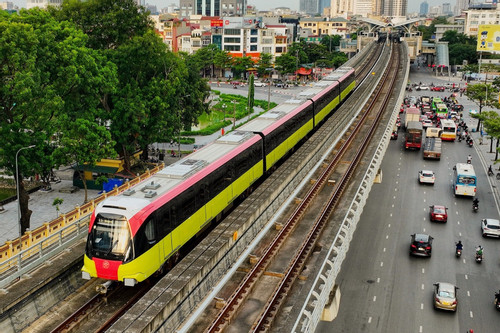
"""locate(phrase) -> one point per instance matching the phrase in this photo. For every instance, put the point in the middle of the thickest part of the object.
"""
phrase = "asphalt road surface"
(383, 288)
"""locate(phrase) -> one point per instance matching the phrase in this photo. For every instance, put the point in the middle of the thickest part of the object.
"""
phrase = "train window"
(110, 236)
(187, 204)
(149, 231)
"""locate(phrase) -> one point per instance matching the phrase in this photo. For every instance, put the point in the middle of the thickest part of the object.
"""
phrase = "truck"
(412, 114)
(432, 148)
(413, 135)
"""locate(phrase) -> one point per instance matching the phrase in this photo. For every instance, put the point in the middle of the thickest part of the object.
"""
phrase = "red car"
(438, 88)
(438, 213)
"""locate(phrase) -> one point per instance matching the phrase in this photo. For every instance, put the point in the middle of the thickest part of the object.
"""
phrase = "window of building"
(253, 39)
(231, 47)
(279, 49)
(232, 32)
(253, 48)
(232, 40)
(254, 32)
(266, 49)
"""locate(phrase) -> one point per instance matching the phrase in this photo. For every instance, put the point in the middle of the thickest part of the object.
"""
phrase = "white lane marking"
(394, 197)
(422, 286)
(420, 329)
(378, 280)
(381, 264)
(390, 214)
(423, 270)
(374, 298)
(369, 320)
(424, 229)
(421, 306)
(386, 236)
(458, 222)
(456, 212)
(464, 261)
(466, 277)
(389, 225)
(425, 200)
(395, 190)
(392, 205)
(468, 293)
(397, 182)
(384, 249)
(471, 315)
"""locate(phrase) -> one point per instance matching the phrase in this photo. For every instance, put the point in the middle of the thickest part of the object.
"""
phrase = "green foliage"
(240, 66)
(56, 203)
(251, 92)
(265, 62)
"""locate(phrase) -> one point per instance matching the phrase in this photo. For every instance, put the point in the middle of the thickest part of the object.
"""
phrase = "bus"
(435, 102)
(448, 130)
(464, 180)
(441, 110)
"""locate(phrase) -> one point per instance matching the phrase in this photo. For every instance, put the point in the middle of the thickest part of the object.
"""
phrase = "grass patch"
(7, 193)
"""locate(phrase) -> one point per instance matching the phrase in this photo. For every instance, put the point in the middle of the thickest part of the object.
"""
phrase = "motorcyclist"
(479, 251)
(497, 297)
(459, 245)
(469, 159)
(490, 170)
(475, 202)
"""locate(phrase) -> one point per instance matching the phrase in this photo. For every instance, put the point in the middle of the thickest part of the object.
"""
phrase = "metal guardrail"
(53, 237)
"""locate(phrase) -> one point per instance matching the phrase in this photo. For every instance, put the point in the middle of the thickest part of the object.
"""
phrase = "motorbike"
(475, 207)
(458, 253)
(479, 257)
(497, 301)
(470, 143)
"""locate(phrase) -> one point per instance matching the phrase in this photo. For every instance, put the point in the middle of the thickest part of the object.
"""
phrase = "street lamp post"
(18, 198)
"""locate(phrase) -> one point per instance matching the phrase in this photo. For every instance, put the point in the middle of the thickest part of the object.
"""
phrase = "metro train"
(136, 233)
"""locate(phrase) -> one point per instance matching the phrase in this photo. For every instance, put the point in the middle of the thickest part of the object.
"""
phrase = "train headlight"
(86, 275)
(129, 282)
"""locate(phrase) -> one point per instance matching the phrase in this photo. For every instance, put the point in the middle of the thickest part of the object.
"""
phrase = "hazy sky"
(413, 5)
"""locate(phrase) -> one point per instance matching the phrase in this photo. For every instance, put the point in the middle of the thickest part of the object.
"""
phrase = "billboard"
(488, 38)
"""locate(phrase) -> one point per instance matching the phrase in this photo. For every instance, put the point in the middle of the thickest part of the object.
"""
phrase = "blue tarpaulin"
(110, 185)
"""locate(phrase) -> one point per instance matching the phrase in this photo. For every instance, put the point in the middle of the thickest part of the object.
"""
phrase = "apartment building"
(317, 26)
(42, 3)
(476, 16)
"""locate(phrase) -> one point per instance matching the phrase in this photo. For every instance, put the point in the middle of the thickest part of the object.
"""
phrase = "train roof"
(169, 178)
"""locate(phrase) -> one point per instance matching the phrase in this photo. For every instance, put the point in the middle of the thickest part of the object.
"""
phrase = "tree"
(251, 91)
(47, 73)
(484, 95)
(223, 60)
(206, 58)
(330, 42)
(240, 66)
(264, 63)
(491, 121)
(285, 64)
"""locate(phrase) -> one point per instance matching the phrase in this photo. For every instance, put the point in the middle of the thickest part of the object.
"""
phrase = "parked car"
(421, 245)
(445, 296)
(490, 227)
(426, 176)
(423, 87)
(438, 213)
(259, 84)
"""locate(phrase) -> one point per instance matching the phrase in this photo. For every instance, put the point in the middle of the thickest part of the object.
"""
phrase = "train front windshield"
(110, 238)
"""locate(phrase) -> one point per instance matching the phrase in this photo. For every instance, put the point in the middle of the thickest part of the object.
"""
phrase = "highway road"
(383, 288)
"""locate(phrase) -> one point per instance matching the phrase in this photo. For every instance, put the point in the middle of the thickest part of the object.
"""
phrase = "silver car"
(490, 227)
(426, 176)
(445, 296)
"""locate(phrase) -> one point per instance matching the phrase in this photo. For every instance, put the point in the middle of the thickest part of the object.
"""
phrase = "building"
(341, 8)
(42, 3)
(7, 5)
(309, 6)
(317, 26)
(363, 8)
(395, 8)
(442, 28)
(447, 9)
(212, 7)
(474, 17)
(424, 8)
(461, 6)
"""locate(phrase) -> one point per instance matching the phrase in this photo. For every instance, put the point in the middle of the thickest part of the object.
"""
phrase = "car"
(438, 213)
(473, 112)
(423, 87)
(445, 296)
(457, 107)
(421, 245)
(427, 123)
(259, 84)
(438, 88)
(426, 176)
(490, 227)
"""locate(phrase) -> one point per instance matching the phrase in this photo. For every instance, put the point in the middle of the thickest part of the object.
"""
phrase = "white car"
(426, 176)
(259, 84)
(427, 123)
(490, 227)
(423, 87)
(473, 112)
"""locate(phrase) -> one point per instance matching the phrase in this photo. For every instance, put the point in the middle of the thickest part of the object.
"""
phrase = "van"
(433, 132)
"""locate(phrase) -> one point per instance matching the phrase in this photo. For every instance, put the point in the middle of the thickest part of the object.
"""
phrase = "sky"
(413, 5)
